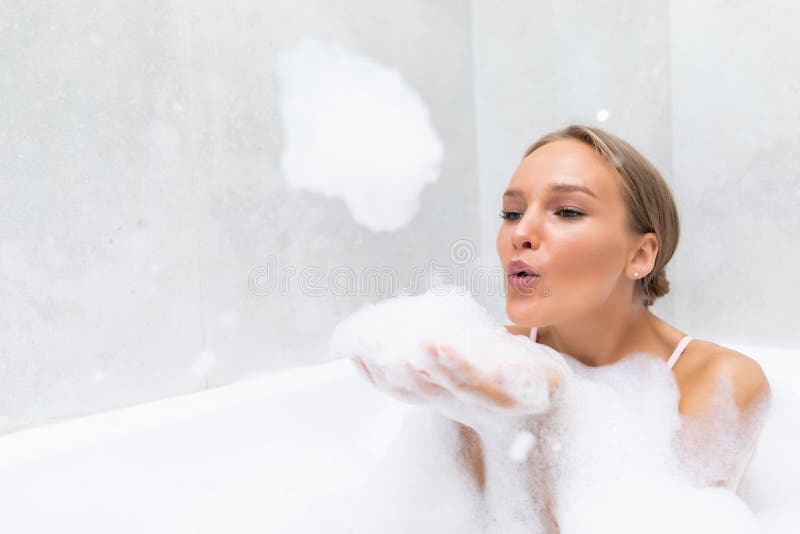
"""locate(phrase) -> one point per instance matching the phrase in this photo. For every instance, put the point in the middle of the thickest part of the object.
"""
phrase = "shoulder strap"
(678, 350)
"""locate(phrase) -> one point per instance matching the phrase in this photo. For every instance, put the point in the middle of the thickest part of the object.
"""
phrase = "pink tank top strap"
(678, 350)
(672, 359)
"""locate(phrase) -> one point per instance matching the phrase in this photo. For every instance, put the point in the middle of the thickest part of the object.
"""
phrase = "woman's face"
(578, 241)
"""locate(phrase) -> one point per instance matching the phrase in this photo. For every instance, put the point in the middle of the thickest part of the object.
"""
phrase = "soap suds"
(355, 130)
(608, 453)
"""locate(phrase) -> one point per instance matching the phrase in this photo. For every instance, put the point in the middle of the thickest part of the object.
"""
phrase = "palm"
(462, 390)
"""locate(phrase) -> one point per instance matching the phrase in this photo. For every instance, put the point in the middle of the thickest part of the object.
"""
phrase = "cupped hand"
(460, 389)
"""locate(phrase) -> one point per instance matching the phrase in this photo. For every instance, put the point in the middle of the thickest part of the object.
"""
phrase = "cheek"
(588, 256)
(503, 242)
(586, 270)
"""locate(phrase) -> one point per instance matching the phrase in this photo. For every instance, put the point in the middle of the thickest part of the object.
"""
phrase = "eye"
(509, 215)
(515, 215)
(575, 213)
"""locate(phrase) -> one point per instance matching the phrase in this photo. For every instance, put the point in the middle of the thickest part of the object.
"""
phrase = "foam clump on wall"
(356, 130)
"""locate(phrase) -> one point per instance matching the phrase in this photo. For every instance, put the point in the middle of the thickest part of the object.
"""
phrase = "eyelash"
(505, 214)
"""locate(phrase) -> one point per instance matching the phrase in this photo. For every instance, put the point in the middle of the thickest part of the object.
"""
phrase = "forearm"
(471, 453)
(517, 491)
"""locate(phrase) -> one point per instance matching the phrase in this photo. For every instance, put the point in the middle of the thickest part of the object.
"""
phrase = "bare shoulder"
(518, 330)
(719, 363)
(745, 373)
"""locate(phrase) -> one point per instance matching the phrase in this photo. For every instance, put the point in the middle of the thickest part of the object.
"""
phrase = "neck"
(600, 337)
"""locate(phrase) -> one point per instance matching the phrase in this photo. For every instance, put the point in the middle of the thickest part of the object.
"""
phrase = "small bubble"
(603, 115)
(521, 446)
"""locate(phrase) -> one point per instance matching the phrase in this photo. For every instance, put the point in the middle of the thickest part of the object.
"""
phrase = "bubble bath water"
(320, 449)
(608, 453)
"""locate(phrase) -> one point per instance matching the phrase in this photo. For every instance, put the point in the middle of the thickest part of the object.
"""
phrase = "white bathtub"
(231, 458)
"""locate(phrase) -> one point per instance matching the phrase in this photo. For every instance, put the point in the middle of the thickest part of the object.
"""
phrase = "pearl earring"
(636, 275)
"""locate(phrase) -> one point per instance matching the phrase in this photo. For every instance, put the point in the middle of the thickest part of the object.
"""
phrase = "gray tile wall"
(140, 184)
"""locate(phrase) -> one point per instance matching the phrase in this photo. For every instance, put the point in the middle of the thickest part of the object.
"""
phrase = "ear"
(643, 255)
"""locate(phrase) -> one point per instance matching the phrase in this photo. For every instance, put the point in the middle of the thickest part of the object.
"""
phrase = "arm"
(743, 375)
(471, 454)
(723, 413)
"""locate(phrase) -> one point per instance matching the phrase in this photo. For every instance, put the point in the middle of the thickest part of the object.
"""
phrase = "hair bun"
(654, 287)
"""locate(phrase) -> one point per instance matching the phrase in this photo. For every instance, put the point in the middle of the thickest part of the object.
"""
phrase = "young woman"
(588, 227)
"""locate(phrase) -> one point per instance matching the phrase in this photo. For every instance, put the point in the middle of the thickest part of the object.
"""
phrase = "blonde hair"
(651, 206)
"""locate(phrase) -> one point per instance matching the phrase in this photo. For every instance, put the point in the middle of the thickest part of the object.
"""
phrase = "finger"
(381, 381)
(362, 368)
(374, 370)
(555, 379)
(424, 382)
(536, 372)
(466, 377)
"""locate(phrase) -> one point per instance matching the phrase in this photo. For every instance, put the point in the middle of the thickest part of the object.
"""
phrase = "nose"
(525, 233)
(522, 242)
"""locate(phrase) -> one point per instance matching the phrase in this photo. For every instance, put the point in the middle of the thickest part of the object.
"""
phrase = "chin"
(521, 312)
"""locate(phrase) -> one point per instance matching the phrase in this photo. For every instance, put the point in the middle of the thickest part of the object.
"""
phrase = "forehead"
(566, 161)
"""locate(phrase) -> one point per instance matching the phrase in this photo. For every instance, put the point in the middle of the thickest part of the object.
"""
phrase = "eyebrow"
(557, 188)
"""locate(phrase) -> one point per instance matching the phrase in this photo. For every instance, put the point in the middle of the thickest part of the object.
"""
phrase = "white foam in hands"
(393, 333)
